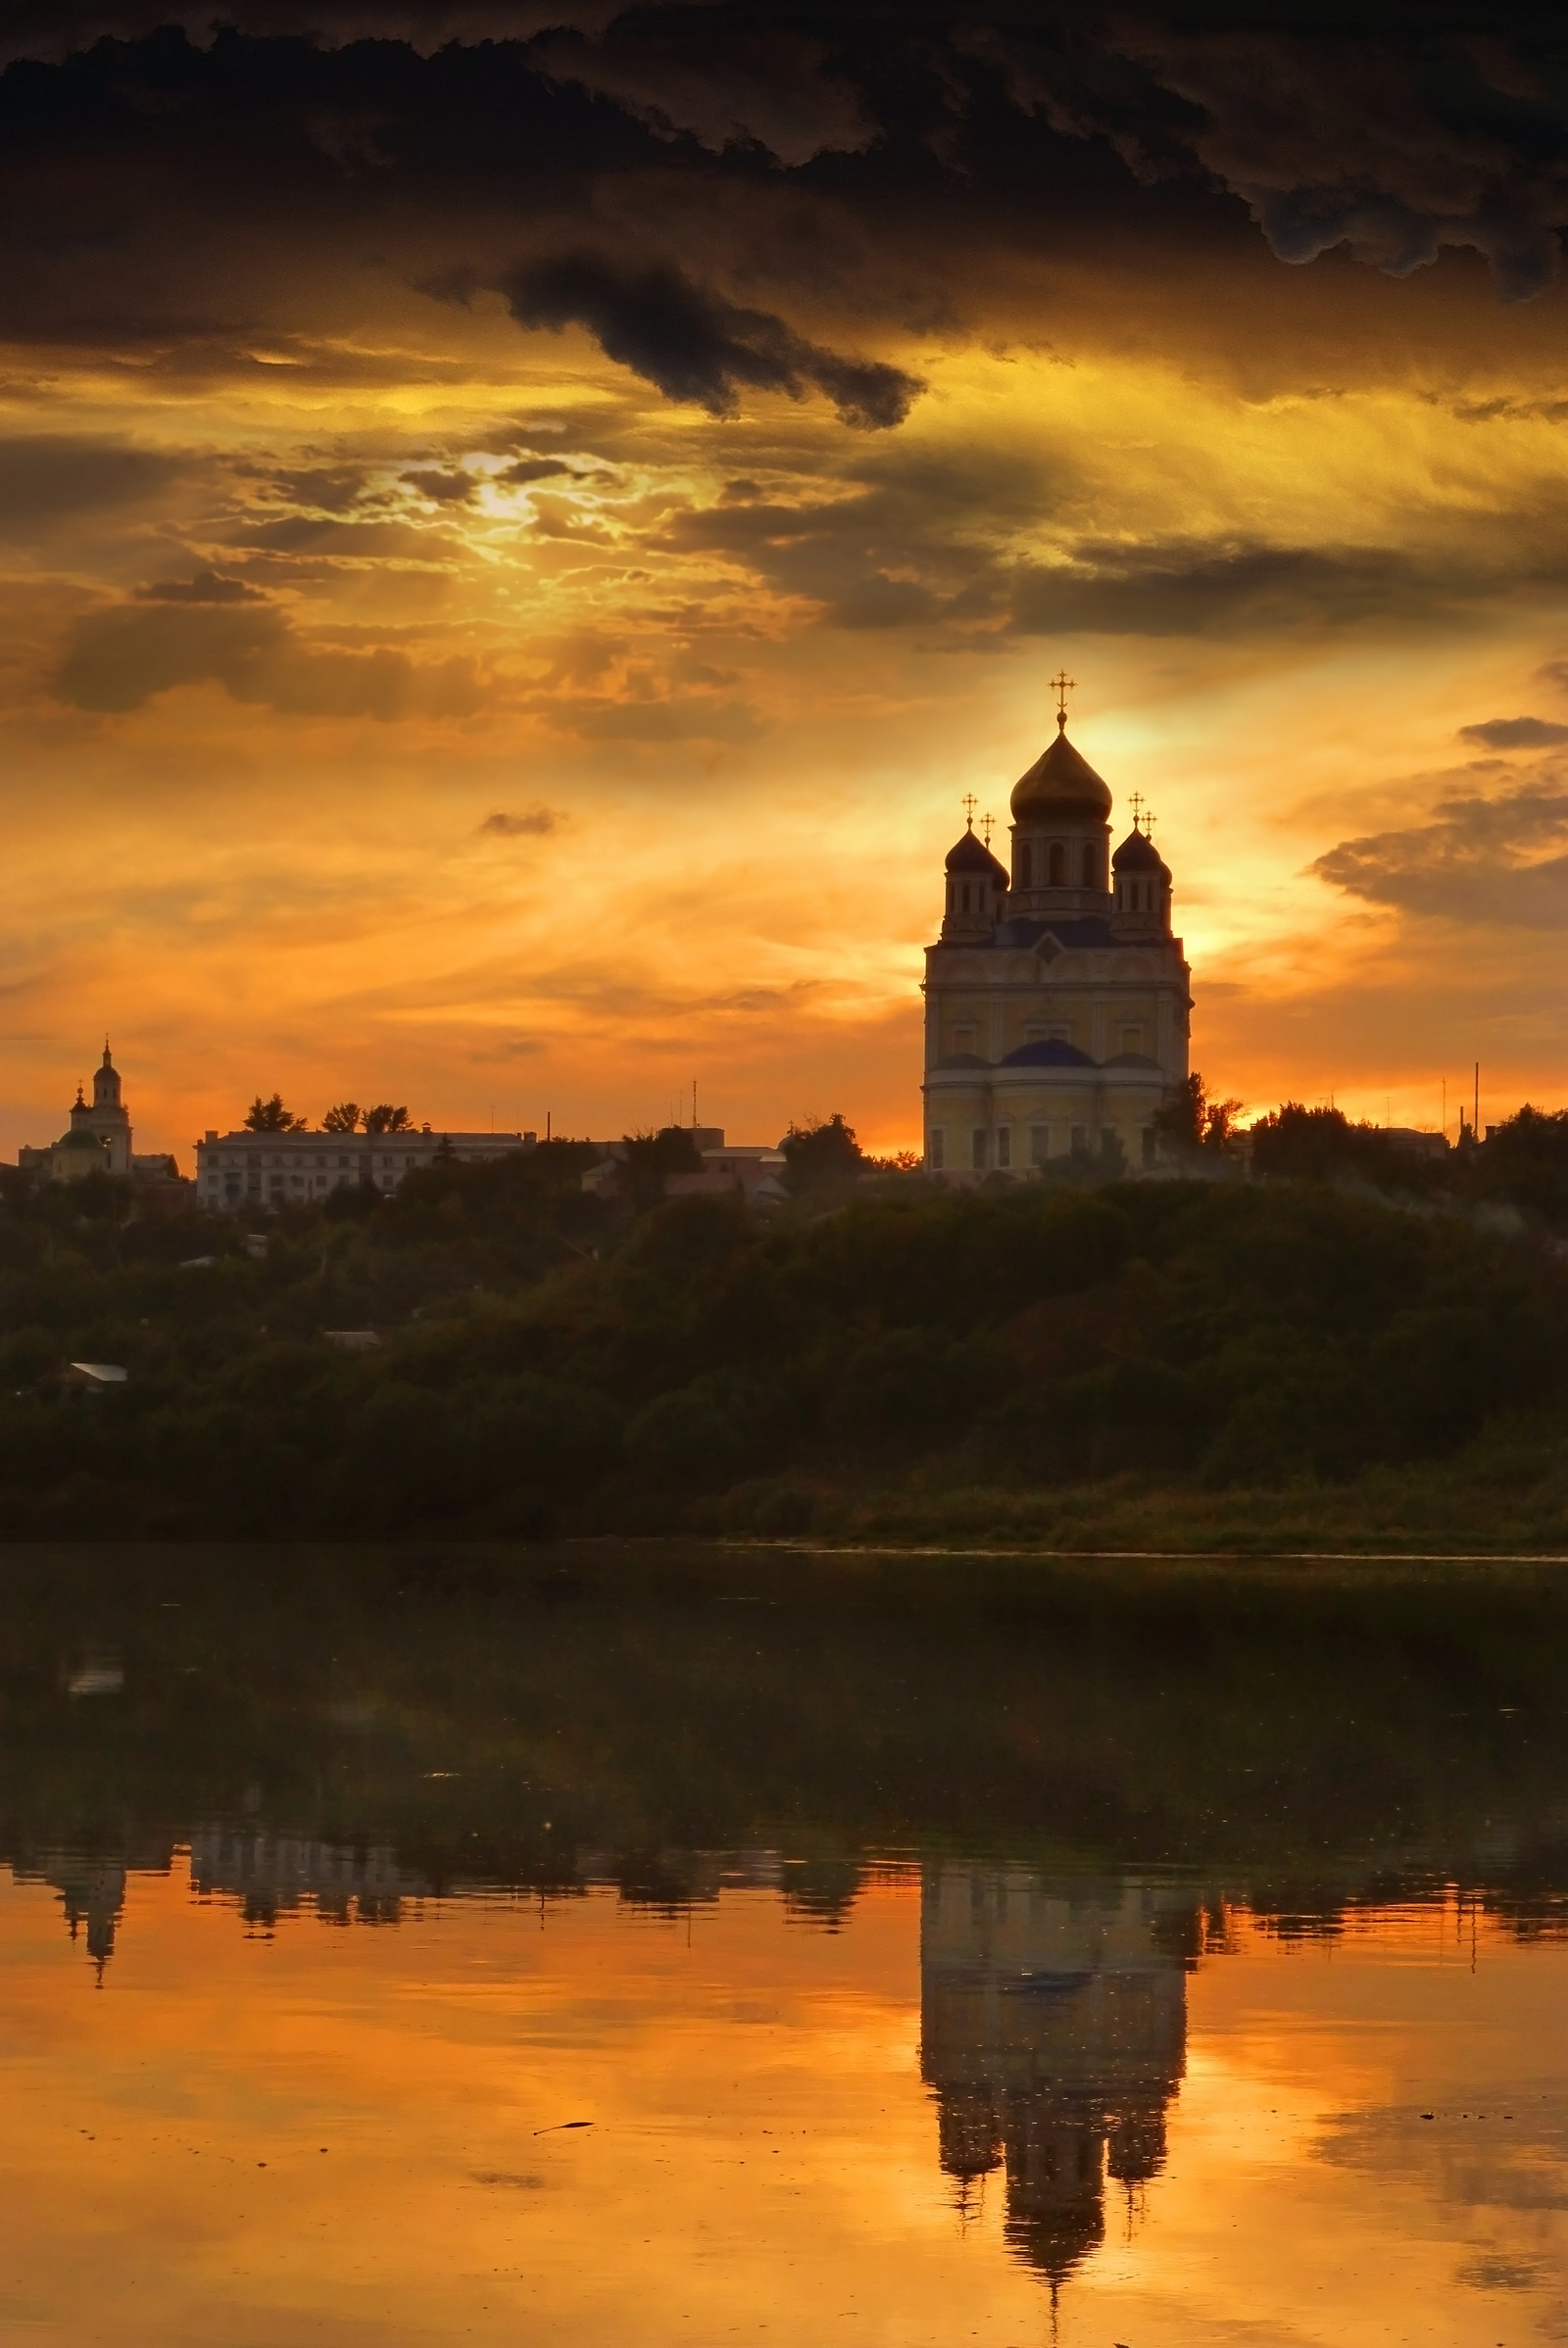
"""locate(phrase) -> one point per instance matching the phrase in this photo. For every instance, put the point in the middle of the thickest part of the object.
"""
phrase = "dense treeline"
(552, 1362)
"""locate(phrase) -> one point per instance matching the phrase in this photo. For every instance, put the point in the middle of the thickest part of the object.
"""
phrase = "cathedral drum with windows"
(1058, 1002)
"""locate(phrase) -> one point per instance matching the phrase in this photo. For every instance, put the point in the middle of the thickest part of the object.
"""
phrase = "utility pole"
(1475, 1114)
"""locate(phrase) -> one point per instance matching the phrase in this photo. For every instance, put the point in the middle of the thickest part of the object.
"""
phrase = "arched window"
(1057, 870)
(1091, 866)
(1026, 864)
(967, 896)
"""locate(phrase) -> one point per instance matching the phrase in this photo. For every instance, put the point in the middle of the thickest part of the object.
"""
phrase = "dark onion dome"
(78, 1137)
(1053, 1053)
(1061, 785)
(971, 854)
(1138, 853)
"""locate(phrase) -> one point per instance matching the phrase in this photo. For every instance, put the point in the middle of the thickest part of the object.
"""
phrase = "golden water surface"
(278, 2092)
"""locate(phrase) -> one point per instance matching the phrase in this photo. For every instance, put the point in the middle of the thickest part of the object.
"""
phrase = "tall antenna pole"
(1475, 1121)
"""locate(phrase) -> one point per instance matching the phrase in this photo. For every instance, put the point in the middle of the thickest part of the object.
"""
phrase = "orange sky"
(762, 2162)
(403, 699)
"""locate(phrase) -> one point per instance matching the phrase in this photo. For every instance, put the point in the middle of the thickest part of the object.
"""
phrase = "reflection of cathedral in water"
(1053, 2027)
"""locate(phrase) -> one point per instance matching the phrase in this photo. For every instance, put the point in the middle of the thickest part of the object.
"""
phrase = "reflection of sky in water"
(924, 2106)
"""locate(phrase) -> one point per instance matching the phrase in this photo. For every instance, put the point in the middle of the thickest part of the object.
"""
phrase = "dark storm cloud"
(207, 587)
(54, 29)
(1497, 861)
(1390, 133)
(533, 823)
(908, 549)
(1515, 733)
(693, 344)
(529, 469)
(742, 163)
(442, 486)
(764, 84)
(48, 477)
(1189, 588)
(118, 659)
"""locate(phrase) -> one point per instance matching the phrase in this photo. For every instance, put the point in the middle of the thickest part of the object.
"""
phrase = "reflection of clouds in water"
(1508, 2159)
(1490, 2274)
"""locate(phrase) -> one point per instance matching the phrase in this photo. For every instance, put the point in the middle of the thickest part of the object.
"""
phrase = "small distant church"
(1057, 1000)
(98, 1139)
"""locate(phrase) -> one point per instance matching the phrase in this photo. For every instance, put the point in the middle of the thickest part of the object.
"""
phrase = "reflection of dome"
(1060, 783)
(1056, 2189)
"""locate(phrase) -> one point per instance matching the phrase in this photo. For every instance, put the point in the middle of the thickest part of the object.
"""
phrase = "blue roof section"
(1053, 1053)
(1082, 930)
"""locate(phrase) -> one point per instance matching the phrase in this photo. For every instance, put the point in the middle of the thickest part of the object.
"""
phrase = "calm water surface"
(682, 1948)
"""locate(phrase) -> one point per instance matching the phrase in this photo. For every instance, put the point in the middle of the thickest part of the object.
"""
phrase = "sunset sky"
(522, 522)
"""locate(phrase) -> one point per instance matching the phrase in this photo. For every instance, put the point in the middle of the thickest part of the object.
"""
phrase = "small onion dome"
(971, 854)
(1060, 784)
(1138, 853)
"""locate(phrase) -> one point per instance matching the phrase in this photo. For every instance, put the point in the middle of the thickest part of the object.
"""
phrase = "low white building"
(289, 1169)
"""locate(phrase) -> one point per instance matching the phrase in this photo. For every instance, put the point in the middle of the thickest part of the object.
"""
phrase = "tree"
(649, 1156)
(822, 1150)
(384, 1118)
(342, 1117)
(270, 1116)
(1191, 1121)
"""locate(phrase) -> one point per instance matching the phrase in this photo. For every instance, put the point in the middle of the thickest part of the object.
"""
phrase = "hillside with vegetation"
(1342, 1349)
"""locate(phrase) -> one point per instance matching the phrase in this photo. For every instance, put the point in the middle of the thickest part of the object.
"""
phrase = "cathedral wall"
(1009, 1121)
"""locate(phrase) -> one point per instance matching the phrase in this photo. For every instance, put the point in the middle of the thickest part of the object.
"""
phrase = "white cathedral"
(1056, 999)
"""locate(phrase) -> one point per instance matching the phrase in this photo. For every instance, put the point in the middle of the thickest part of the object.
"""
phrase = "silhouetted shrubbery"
(552, 1362)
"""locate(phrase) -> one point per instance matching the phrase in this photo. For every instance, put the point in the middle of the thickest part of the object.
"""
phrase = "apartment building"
(286, 1169)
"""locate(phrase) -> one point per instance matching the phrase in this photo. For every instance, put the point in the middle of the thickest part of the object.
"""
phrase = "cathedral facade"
(97, 1140)
(1056, 999)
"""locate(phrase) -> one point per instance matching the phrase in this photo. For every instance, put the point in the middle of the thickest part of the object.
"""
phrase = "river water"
(670, 1946)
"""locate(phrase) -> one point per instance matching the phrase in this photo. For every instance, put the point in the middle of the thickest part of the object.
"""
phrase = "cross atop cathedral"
(1136, 801)
(986, 825)
(969, 803)
(1061, 684)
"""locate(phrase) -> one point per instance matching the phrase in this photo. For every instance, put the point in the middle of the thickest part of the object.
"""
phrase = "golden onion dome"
(1060, 787)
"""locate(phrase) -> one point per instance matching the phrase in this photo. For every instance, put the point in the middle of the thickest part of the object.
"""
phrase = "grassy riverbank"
(1174, 1365)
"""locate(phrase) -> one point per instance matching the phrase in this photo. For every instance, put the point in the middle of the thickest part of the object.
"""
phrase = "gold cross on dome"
(1136, 801)
(1061, 684)
(987, 823)
(1149, 824)
(969, 803)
